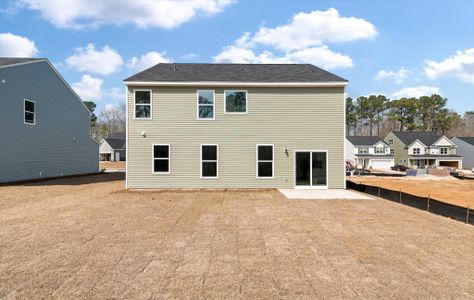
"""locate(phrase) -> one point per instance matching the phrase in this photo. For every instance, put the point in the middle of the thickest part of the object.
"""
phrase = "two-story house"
(423, 149)
(465, 148)
(44, 126)
(369, 152)
(235, 126)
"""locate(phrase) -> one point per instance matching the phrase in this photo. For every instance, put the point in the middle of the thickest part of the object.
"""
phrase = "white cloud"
(147, 60)
(189, 56)
(79, 14)
(416, 91)
(89, 88)
(88, 59)
(312, 29)
(460, 65)
(16, 46)
(398, 76)
(115, 93)
(320, 56)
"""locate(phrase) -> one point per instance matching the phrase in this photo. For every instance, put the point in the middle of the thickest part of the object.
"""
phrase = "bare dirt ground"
(446, 189)
(112, 165)
(87, 238)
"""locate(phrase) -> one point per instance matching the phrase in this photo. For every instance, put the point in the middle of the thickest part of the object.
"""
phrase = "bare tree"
(112, 119)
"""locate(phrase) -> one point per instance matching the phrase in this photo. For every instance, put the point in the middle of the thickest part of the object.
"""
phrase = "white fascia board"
(237, 84)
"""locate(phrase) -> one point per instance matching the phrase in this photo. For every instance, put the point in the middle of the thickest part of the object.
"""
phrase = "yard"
(88, 238)
(112, 165)
(446, 189)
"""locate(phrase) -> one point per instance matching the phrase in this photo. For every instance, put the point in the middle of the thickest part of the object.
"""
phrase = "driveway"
(87, 238)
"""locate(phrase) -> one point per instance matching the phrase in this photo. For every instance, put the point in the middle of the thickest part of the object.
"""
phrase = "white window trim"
(413, 151)
(246, 103)
(447, 150)
(213, 105)
(24, 112)
(362, 152)
(257, 161)
(310, 187)
(382, 151)
(201, 161)
(153, 159)
(135, 104)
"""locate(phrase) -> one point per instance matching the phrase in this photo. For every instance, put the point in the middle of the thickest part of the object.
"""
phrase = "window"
(443, 151)
(161, 159)
(416, 150)
(264, 161)
(363, 150)
(235, 102)
(379, 150)
(29, 108)
(209, 161)
(142, 104)
(392, 151)
(205, 105)
(390, 142)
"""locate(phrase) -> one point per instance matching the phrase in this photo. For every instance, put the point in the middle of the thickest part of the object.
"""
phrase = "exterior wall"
(401, 154)
(59, 143)
(417, 145)
(295, 118)
(466, 150)
(350, 150)
(104, 147)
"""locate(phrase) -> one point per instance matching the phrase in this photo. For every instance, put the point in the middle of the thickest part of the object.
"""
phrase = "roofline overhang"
(237, 84)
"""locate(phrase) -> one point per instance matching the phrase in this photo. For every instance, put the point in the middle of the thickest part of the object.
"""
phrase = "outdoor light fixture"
(285, 150)
(143, 134)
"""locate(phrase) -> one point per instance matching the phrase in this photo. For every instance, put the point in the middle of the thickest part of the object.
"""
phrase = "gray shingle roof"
(467, 139)
(235, 73)
(4, 61)
(116, 144)
(408, 137)
(117, 136)
(364, 140)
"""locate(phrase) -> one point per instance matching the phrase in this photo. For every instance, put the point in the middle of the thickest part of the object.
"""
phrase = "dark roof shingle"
(116, 144)
(426, 137)
(265, 73)
(467, 139)
(364, 140)
(5, 61)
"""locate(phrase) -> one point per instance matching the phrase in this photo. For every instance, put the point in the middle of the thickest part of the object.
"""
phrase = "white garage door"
(382, 163)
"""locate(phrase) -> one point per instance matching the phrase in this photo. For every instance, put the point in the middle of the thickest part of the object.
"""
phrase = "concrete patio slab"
(331, 194)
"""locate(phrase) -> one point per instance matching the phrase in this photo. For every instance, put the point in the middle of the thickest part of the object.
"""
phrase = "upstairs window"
(363, 150)
(205, 105)
(161, 159)
(390, 142)
(379, 150)
(416, 150)
(235, 102)
(209, 161)
(443, 151)
(392, 151)
(29, 108)
(264, 161)
(142, 104)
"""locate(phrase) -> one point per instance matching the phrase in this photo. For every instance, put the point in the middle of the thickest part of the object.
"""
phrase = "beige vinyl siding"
(296, 118)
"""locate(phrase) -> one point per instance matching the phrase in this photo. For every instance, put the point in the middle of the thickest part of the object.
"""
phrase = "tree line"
(110, 120)
(378, 115)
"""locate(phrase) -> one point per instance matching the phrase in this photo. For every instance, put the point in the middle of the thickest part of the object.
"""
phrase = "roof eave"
(237, 84)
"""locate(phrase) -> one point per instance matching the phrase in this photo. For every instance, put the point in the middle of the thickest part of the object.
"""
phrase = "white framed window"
(29, 112)
(443, 151)
(390, 142)
(161, 159)
(265, 161)
(142, 104)
(379, 150)
(209, 161)
(235, 102)
(416, 150)
(205, 105)
(363, 150)
(392, 151)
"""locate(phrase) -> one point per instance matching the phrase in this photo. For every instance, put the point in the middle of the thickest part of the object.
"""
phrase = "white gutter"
(237, 84)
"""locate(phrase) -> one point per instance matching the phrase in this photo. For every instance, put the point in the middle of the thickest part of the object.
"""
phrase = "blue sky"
(396, 48)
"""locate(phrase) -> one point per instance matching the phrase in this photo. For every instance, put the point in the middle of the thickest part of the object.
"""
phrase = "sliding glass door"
(311, 169)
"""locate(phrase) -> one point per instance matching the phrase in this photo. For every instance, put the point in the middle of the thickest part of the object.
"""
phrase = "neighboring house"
(113, 147)
(235, 126)
(369, 152)
(465, 148)
(44, 126)
(423, 149)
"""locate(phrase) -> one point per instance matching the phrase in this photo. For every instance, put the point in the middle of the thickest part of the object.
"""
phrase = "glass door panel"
(318, 168)
(303, 170)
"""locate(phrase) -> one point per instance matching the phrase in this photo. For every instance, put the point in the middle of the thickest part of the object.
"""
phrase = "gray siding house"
(44, 126)
(112, 148)
(465, 147)
(369, 152)
(235, 126)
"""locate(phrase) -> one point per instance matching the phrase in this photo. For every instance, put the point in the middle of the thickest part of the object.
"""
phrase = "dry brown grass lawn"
(447, 189)
(112, 165)
(87, 238)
